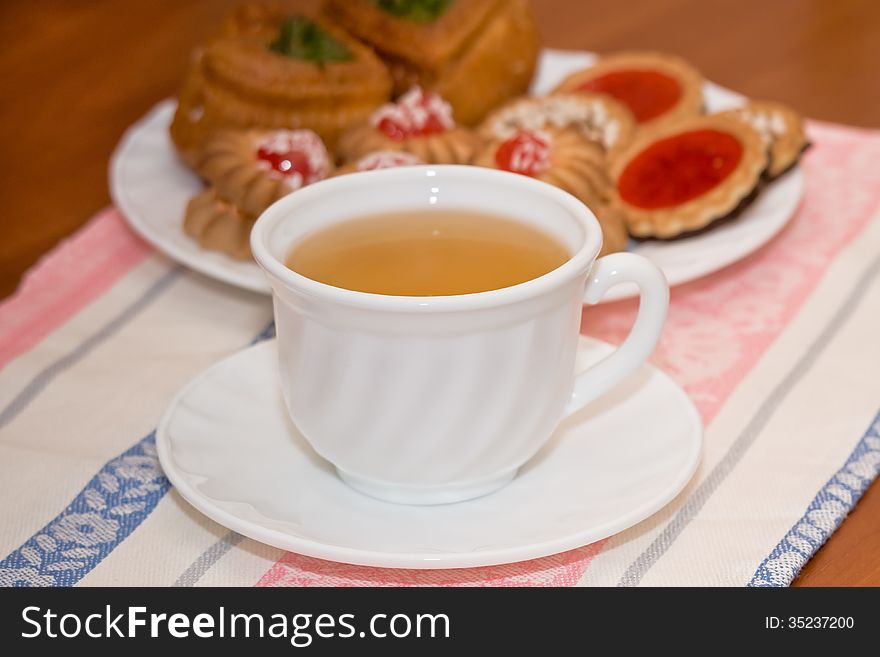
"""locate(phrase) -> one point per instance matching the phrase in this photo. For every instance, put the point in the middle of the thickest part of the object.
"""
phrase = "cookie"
(598, 117)
(218, 225)
(781, 128)
(420, 123)
(657, 88)
(254, 168)
(564, 158)
(683, 177)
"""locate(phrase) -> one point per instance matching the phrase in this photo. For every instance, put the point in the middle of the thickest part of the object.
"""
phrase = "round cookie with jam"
(781, 128)
(420, 123)
(600, 118)
(568, 160)
(656, 87)
(254, 168)
(681, 178)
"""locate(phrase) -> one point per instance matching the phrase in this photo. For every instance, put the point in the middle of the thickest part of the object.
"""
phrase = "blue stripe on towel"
(824, 514)
(111, 506)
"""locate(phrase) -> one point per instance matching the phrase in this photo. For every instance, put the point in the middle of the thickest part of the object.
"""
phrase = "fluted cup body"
(427, 399)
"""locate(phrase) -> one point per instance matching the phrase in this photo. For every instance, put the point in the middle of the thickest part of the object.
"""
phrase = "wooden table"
(76, 74)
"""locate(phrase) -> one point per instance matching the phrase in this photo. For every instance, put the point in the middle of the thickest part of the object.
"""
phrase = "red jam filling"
(647, 93)
(678, 169)
(298, 156)
(527, 153)
(398, 131)
(416, 114)
(288, 162)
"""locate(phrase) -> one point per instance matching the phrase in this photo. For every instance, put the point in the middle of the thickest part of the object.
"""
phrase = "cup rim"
(283, 208)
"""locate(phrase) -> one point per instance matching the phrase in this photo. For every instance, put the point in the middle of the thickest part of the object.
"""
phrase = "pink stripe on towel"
(558, 570)
(78, 270)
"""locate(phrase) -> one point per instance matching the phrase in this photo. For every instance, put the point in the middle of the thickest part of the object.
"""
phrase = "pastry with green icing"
(270, 68)
(476, 54)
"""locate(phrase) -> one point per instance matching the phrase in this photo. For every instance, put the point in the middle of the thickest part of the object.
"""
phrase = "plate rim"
(145, 229)
(422, 561)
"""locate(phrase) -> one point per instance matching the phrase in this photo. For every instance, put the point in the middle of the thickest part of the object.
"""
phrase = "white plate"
(228, 446)
(151, 188)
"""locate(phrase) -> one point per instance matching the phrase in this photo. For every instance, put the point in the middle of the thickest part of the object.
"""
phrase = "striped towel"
(779, 352)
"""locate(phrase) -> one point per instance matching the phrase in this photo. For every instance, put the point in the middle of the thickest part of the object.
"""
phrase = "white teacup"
(427, 400)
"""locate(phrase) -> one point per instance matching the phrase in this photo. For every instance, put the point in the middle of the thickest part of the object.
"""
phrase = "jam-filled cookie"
(421, 123)
(475, 53)
(600, 118)
(379, 160)
(218, 225)
(566, 159)
(782, 129)
(656, 87)
(683, 177)
(254, 168)
(269, 68)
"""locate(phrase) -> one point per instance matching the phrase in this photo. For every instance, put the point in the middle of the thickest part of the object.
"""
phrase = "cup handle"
(607, 272)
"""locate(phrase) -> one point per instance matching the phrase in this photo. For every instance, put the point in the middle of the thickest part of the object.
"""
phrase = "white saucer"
(151, 187)
(228, 446)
